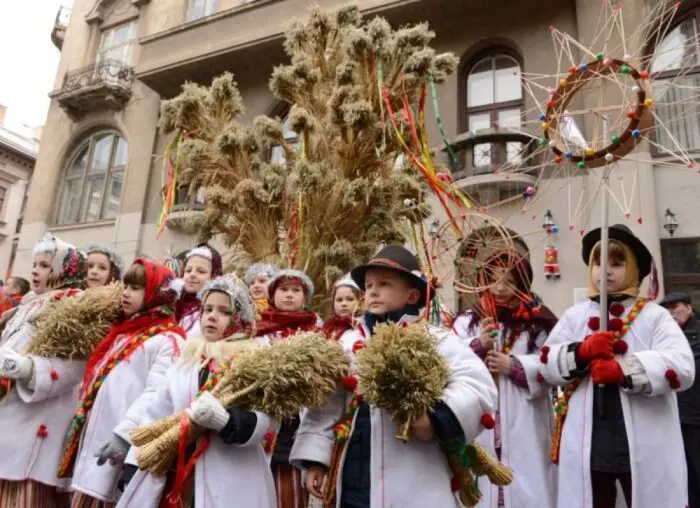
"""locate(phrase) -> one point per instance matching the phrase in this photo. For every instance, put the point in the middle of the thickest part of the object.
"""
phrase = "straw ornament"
(280, 380)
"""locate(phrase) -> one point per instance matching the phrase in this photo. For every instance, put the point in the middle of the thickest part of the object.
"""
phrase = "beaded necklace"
(621, 327)
(65, 469)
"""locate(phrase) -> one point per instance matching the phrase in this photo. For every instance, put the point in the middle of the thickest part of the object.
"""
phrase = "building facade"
(17, 158)
(98, 175)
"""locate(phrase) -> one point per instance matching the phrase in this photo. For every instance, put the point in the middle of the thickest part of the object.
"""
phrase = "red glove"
(607, 372)
(598, 345)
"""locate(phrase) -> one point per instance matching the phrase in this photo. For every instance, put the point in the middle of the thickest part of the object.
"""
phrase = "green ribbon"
(438, 119)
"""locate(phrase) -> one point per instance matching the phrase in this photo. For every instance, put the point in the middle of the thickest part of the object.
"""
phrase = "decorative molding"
(101, 8)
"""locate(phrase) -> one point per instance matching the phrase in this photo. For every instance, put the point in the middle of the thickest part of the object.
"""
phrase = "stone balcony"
(247, 39)
(485, 157)
(60, 25)
(187, 213)
(104, 85)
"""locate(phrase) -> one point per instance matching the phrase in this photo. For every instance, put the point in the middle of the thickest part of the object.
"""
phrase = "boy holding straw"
(353, 444)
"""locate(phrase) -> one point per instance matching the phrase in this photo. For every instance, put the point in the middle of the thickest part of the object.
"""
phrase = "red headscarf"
(159, 299)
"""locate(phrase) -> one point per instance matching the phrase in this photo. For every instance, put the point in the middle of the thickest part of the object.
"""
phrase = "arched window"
(675, 71)
(92, 185)
(494, 99)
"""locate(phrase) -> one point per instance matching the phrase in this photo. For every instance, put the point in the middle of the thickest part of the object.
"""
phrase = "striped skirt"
(31, 494)
(81, 500)
(290, 492)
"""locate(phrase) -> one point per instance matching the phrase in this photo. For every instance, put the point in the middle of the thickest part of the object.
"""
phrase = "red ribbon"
(183, 470)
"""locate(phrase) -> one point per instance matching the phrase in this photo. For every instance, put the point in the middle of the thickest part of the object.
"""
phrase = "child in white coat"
(232, 470)
(37, 393)
(121, 377)
(618, 419)
(368, 467)
(506, 331)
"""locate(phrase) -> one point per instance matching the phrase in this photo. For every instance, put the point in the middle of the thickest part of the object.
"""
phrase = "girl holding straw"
(230, 467)
(120, 380)
(37, 392)
(506, 331)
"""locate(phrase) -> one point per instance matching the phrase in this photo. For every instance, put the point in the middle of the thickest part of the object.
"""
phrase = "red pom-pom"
(53, 374)
(360, 344)
(594, 323)
(539, 378)
(544, 350)
(350, 382)
(455, 484)
(42, 431)
(615, 324)
(488, 421)
(670, 375)
(619, 347)
(675, 384)
(617, 309)
(544, 357)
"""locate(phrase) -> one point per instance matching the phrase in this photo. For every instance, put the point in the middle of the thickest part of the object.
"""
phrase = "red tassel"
(594, 323)
(360, 344)
(615, 324)
(350, 382)
(675, 384)
(42, 431)
(670, 375)
(619, 347)
(544, 353)
(617, 309)
(54, 375)
(487, 421)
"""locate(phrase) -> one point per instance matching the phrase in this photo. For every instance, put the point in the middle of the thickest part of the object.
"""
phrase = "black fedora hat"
(675, 297)
(622, 234)
(398, 259)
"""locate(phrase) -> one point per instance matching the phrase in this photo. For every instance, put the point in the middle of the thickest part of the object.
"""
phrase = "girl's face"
(132, 299)
(216, 316)
(99, 268)
(41, 269)
(197, 272)
(617, 269)
(503, 290)
(345, 301)
(258, 287)
(289, 297)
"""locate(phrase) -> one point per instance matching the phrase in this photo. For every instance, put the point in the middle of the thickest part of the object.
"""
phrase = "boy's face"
(216, 316)
(132, 299)
(258, 287)
(615, 276)
(387, 291)
(289, 297)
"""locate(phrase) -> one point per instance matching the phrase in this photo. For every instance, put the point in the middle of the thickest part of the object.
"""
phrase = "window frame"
(678, 278)
(190, 8)
(130, 42)
(693, 12)
(110, 170)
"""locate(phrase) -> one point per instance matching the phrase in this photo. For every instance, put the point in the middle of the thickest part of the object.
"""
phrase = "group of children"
(67, 423)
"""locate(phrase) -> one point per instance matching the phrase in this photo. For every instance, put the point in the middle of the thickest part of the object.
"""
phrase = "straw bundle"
(70, 328)
(303, 371)
(402, 372)
(339, 192)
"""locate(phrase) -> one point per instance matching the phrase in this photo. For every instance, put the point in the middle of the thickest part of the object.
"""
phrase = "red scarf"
(286, 322)
(335, 326)
(158, 310)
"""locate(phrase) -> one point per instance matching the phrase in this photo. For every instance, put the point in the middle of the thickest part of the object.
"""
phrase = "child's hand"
(498, 363)
(314, 480)
(423, 428)
(487, 338)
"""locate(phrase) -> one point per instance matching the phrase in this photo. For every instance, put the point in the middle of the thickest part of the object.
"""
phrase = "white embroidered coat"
(406, 475)
(34, 422)
(225, 475)
(526, 420)
(651, 420)
(119, 407)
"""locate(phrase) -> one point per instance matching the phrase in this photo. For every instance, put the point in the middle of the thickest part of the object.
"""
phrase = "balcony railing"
(106, 84)
(60, 26)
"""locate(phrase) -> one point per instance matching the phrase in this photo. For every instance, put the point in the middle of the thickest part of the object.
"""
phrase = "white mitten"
(208, 412)
(15, 366)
